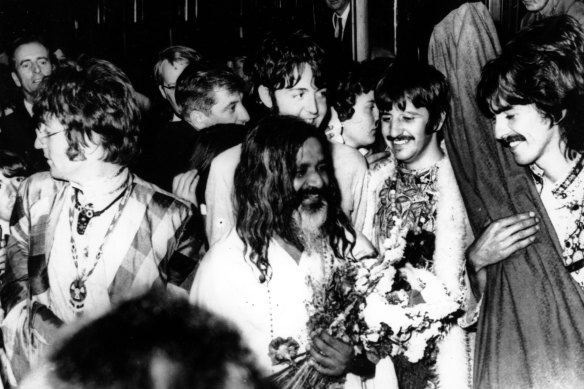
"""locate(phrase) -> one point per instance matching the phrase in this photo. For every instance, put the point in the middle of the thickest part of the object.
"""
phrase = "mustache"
(398, 138)
(506, 141)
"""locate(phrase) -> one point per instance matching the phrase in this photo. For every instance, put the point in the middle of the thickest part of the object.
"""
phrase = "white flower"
(386, 281)
(378, 310)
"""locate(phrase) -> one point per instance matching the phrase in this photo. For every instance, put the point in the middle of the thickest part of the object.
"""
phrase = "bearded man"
(289, 226)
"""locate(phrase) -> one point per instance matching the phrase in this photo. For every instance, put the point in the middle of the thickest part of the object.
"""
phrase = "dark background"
(131, 32)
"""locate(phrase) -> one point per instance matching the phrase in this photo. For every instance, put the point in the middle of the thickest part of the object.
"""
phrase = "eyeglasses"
(43, 134)
(169, 87)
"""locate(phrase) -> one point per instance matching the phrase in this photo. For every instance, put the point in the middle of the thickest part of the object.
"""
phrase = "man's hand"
(330, 356)
(497, 242)
(184, 185)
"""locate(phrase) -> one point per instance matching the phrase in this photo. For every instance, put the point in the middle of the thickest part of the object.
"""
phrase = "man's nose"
(395, 129)
(499, 128)
(36, 68)
(243, 115)
(310, 104)
(315, 180)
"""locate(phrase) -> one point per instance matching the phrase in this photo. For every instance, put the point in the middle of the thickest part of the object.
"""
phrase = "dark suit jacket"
(17, 134)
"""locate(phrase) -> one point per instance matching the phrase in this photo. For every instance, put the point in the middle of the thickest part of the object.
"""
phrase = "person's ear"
(564, 111)
(440, 123)
(265, 96)
(197, 119)
(16, 79)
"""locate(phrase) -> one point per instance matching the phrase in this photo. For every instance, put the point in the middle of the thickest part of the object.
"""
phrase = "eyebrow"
(30, 60)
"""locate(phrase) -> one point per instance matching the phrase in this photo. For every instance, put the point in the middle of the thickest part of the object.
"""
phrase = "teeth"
(400, 141)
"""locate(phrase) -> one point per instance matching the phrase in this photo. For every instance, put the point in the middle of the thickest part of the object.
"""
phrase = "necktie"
(338, 24)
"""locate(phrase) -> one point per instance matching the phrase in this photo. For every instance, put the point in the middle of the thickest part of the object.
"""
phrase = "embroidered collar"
(561, 188)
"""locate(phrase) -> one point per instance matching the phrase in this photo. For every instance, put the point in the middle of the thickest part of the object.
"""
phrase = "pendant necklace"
(77, 289)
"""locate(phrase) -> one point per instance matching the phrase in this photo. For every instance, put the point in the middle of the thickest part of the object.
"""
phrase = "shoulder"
(40, 185)
(227, 159)
(156, 198)
(347, 157)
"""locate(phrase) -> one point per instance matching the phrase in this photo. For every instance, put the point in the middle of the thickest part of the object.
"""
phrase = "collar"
(28, 107)
(559, 187)
(344, 15)
(101, 190)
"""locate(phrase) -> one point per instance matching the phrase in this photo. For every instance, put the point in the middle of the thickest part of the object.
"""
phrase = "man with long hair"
(63, 260)
(289, 225)
(289, 76)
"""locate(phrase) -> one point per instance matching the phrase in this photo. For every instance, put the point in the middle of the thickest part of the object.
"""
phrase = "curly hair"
(419, 83)
(93, 98)
(265, 195)
(357, 81)
(544, 66)
(281, 57)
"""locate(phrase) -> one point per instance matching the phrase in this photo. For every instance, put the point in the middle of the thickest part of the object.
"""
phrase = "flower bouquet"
(336, 307)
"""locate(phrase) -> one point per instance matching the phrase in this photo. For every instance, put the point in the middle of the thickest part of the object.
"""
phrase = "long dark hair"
(265, 195)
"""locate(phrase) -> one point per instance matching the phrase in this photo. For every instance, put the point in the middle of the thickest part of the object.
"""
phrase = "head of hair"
(24, 39)
(353, 83)
(151, 342)
(93, 101)
(421, 84)
(211, 141)
(12, 164)
(543, 66)
(174, 54)
(264, 189)
(196, 86)
(281, 58)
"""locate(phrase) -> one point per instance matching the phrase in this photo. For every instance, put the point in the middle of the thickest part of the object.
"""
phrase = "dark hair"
(544, 66)
(174, 54)
(353, 83)
(120, 349)
(420, 83)
(94, 98)
(281, 57)
(12, 164)
(264, 191)
(211, 141)
(25, 39)
(195, 88)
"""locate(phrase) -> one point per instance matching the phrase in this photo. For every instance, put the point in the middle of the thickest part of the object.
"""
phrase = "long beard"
(309, 225)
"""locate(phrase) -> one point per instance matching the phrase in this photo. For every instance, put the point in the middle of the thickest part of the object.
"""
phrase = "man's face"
(359, 130)
(303, 100)
(170, 73)
(405, 132)
(311, 185)
(31, 65)
(8, 190)
(526, 132)
(51, 139)
(228, 108)
(337, 5)
(534, 5)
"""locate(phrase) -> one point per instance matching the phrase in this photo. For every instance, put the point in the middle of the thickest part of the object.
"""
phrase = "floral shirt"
(564, 203)
(414, 202)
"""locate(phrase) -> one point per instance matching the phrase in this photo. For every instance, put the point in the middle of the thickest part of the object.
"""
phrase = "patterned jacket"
(165, 249)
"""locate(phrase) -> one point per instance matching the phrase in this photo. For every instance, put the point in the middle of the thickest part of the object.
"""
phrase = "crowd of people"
(191, 255)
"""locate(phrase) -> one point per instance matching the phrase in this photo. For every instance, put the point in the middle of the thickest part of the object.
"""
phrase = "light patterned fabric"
(164, 237)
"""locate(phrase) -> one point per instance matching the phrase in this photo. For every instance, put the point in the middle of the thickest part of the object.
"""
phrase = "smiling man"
(289, 78)
(63, 260)
(31, 63)
(422, 197)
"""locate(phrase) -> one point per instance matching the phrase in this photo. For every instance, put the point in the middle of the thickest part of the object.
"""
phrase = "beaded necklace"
(77, 289)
